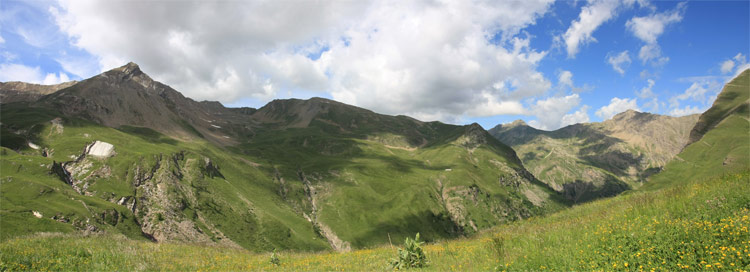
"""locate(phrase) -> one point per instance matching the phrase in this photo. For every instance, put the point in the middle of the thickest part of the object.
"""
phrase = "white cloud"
(19, 72)
(649, 28)
(739, 61)
(620, 61)
(727, 66)
(703, 92)
(592, 16)
(687, 110)
(553, 113)
(579, 116)
(2, 40)
(652, 52)
(426, 59)
(565, 78)
(433, 61)
(616, 105)
(646, 92)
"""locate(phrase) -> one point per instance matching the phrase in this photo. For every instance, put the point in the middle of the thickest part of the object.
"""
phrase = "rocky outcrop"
(78, 173)
(311, 192)
(162, 192)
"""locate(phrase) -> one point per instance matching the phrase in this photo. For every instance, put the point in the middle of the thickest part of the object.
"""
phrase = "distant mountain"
(122, 153)
(719, 142)
(586, 161)
(16, 91)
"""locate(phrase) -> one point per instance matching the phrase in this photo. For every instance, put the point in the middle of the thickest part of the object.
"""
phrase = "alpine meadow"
(350, 136)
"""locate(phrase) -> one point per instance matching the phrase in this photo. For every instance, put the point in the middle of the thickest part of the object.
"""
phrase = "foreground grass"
(700, 225)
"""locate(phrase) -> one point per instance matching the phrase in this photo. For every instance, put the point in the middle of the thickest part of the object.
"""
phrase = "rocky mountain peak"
(628, 114)
(516, 123)
(130, 71)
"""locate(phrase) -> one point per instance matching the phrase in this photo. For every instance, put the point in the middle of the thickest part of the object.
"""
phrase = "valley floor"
(701, 225)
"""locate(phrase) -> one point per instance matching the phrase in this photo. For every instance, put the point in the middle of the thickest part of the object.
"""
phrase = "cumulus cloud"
(739, 61)
(554, 112)
(426, 59)
(432, 61)
(19, 72)
(687, 110)
(649, 28)
(620, 61)
(727, 66)
(703, 92)
(699, 97)
(592, 16)
(579, 116)
(208, 50)
(565, 78)
(647, 93)
(617, 105)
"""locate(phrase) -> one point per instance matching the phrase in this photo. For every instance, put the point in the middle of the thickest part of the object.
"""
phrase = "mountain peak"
(628, 114)
(129, 69)
(518, 122)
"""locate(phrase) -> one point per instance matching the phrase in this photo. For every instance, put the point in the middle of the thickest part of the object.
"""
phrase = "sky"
(549, 63)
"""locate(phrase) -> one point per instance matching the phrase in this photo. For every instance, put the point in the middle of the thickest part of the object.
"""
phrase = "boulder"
(100, 149)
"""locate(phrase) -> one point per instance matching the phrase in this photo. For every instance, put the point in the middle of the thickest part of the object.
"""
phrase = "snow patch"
(215, 126)
(100, 149)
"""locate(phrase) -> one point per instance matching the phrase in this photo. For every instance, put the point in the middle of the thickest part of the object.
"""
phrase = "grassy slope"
(366, 191)
(723, 149)
(692, 225)
(27, 185)
(369, 191)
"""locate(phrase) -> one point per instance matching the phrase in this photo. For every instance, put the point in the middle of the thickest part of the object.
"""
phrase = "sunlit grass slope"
(699, 225)
(27, 185)
(725, 148)
(288, 188)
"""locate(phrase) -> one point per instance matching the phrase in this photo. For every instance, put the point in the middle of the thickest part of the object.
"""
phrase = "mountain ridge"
(301, 174)
(590, 160)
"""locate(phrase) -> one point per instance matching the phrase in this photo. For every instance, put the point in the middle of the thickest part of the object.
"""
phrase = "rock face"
(586, 161)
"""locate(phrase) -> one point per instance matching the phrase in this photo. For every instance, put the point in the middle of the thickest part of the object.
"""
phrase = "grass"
(698, 225)
(725, 148)
(352, 173)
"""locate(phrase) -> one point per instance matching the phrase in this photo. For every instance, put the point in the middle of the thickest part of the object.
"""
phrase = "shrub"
(411, 256)
(275, 259)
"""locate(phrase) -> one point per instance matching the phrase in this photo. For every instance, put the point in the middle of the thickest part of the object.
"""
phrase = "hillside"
(691, 225)
(120, 153)
(591, 160)
(720, 141)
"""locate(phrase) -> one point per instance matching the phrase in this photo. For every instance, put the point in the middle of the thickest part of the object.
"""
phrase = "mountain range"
(123, 153)
(303, 174)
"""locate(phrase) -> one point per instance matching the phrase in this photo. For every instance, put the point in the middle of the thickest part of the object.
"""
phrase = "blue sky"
(549, 63)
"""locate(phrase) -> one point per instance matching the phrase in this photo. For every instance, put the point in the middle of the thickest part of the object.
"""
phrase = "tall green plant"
(411, 256)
